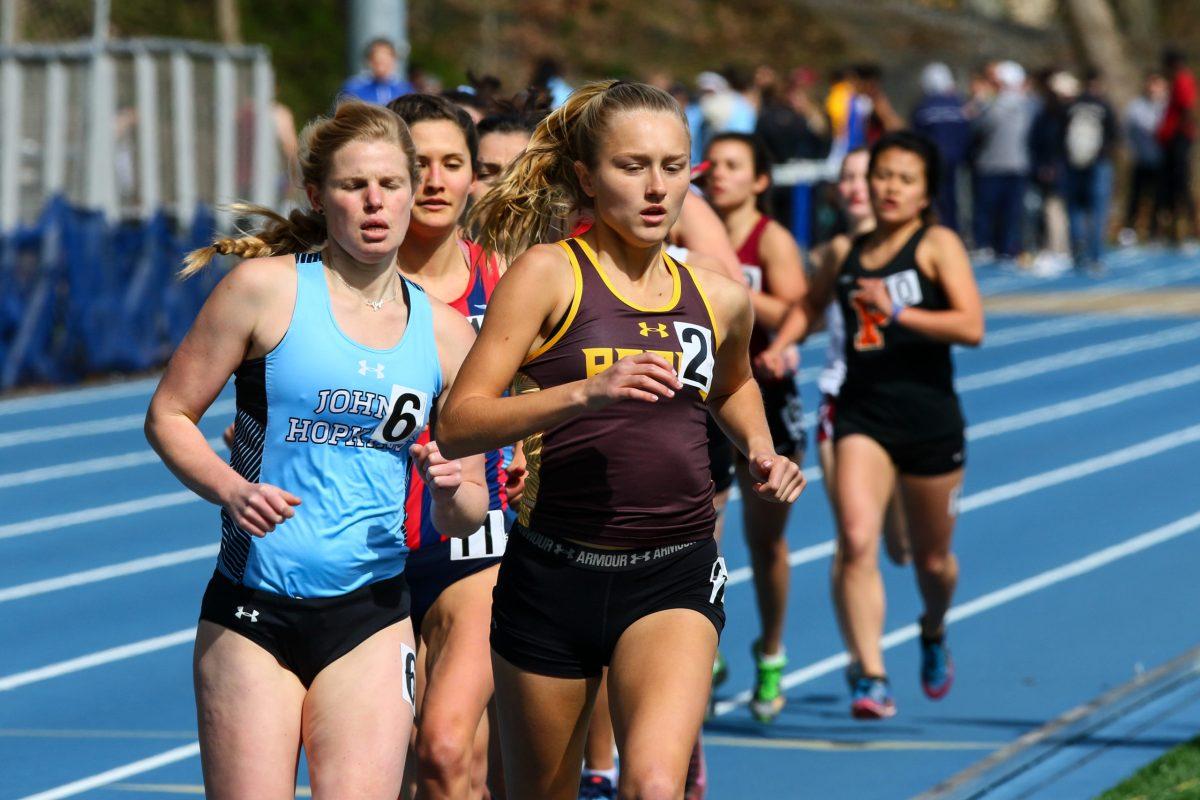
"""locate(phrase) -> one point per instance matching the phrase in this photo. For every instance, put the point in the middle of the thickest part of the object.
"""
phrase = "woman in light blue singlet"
(304, 637)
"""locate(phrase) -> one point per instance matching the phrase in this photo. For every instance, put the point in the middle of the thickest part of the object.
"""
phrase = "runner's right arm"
(227, 329)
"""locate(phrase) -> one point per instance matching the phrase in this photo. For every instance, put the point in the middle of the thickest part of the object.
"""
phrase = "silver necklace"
(375, 305)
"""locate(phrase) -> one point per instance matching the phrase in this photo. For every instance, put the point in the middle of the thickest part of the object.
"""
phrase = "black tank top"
(899, 383)
(632, 474)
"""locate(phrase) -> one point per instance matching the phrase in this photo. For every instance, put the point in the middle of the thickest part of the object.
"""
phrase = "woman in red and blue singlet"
(451, 580)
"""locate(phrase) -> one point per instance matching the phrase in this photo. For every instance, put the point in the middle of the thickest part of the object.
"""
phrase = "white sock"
(775, 659)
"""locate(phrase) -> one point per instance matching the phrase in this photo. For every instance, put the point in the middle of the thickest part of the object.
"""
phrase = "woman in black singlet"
(616, 354)
(907, 293)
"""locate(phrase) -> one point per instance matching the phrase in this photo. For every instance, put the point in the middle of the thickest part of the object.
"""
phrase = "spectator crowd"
(1030, 159)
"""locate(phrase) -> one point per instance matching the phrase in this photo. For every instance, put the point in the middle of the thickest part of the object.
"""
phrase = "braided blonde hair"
(301, 231)
(537, 194)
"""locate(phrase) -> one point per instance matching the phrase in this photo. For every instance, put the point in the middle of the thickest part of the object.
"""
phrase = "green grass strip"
(1174, 776)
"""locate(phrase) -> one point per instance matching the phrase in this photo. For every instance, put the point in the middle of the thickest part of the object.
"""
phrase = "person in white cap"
(725, 110)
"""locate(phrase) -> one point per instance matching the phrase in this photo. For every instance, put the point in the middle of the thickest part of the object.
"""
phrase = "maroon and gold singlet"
(633, 474)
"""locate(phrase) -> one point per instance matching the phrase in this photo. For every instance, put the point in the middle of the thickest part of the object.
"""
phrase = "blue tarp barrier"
(80, 296)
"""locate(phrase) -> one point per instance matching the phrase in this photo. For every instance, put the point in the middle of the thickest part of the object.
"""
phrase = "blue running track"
(1078, 542)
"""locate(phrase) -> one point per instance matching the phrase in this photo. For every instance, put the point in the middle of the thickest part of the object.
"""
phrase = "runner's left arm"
(734, 398)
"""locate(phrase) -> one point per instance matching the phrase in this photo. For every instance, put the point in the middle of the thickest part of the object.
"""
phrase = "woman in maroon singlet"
(616, 353)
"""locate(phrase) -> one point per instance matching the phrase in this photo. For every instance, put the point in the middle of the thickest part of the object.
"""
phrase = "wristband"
(896, 309)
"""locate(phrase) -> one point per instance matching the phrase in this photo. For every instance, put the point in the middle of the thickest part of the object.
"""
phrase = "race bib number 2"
(489, 541)
(699, 355)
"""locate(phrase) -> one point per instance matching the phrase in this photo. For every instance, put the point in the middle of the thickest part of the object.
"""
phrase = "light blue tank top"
(330, 421)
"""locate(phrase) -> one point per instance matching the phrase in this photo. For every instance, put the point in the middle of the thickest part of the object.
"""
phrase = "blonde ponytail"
(298, 232)
(539, 192)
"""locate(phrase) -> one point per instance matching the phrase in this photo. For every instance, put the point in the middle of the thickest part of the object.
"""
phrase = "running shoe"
(937, 668)
(696, 785)
(720, 670)
(596, 787)
(768, 698)
(872, 698)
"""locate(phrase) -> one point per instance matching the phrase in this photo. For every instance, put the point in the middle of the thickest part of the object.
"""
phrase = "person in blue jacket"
(940, 117)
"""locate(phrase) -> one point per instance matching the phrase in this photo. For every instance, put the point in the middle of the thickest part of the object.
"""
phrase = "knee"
(858, 549)
(443, 751)
(933, 563)
(650, 783)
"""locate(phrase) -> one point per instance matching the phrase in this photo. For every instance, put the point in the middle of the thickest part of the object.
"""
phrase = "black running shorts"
(306, 634)
(559, 608)
(924, 458)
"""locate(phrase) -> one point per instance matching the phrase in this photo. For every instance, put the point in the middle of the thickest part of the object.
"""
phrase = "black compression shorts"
(305, 634)
(559, 608)
(924, 458)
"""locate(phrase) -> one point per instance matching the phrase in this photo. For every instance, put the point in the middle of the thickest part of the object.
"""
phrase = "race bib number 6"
(407, 415)
(489, 541)
(408, 657)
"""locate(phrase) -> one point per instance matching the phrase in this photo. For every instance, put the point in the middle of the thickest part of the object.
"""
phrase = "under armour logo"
(645, 330)
(363, 369)
(241, 612)
(636, 557)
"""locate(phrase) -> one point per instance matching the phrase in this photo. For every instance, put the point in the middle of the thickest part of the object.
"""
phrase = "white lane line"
(1084, 405)
(90, 466)
(979, 500)
(1079, 357)
(74, 430)
(1081, 469)
(91, 733)
(113, 775)
(804, 555)
(100, 657)
(836, 746)
(77, 397)
(142, 457)
(992, 600)
(1051, 327)
(1010, 491)
(975, 432)
(51, 433)
(121, 570)
(196, 788)
(96, 514)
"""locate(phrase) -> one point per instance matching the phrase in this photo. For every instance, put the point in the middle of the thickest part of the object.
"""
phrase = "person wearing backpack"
(1089, 136)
